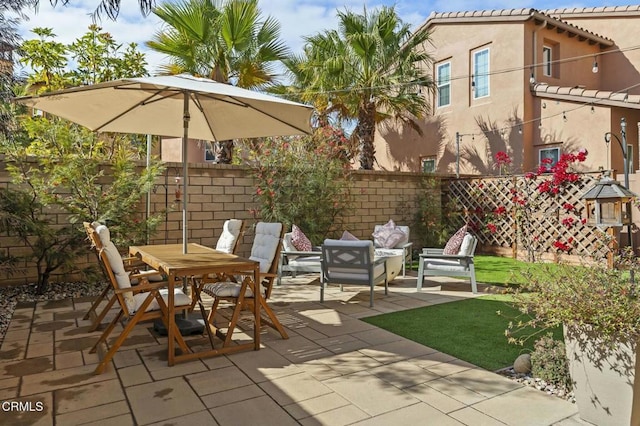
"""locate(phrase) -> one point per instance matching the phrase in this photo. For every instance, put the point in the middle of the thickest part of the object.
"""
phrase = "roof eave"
(525, 15)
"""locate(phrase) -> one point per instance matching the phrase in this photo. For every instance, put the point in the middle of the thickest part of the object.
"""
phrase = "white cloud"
(297, 18)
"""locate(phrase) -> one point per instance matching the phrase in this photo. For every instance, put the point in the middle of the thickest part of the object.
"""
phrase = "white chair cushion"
(265, 244)
(229, 236)
(467, 245)
(287, 245)
(305, 261)
(179, 299)
(117, 265)
(444, 265)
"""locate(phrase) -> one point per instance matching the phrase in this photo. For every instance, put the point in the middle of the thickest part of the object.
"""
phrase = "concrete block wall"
(220, 192)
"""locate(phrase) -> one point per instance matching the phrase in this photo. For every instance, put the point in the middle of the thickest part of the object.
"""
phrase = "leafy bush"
(604, 299)
(549, 362)
(428, 227)
(304, 181)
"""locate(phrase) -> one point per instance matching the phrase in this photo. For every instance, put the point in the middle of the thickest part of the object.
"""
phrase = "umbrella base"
(186, 326)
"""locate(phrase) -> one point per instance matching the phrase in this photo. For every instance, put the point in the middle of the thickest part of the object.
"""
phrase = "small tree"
(304, 181)
(52, 247)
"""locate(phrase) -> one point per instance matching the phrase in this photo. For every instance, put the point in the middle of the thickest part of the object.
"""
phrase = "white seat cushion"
(444, 265)
(180, 299)
(355, 274)
(305, 261)
(394, 261)
(226, 289)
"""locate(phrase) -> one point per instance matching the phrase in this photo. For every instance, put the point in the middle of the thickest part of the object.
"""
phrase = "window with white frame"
(548, 157)
(481, 73)
(428, 164)
(444, 84)
(547, 61)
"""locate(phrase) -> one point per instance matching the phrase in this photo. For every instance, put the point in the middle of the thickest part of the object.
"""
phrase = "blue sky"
(297, 18)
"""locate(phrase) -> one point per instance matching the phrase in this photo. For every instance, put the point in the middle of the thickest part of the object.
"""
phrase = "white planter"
(603, 383)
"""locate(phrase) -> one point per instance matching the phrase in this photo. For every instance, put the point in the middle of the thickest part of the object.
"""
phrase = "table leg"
(171, 321)
(257, 294)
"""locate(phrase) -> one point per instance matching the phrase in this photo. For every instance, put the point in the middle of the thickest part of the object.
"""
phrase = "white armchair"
(434, 263)
(352, 262)
(294, 261)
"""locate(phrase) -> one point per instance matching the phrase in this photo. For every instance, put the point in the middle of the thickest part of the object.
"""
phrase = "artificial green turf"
(499, 270)
(503, 271)
(469, 329)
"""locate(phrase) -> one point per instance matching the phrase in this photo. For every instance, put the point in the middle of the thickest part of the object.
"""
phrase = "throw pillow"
(299, 240)
(454, 243)
(348, 236)
(388, 237)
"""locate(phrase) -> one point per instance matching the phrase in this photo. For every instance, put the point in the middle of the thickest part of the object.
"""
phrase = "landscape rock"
(522, 364)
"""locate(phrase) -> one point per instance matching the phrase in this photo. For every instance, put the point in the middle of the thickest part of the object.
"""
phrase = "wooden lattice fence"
(525, 230)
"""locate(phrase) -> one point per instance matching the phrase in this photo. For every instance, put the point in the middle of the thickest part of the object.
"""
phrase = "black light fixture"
(595, 66)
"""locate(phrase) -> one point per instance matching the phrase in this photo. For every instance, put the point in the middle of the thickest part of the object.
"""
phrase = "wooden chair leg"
(232, 324)
(103, 314)
(97, 301)
(273, 321)
(107, 331)
(121, 338)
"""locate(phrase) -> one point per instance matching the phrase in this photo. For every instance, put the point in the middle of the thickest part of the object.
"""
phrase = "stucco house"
(532, 83)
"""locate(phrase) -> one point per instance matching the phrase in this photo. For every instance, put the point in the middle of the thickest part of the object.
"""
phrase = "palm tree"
(109, 7)
(227, 41)
(370, 70)
(10, 16)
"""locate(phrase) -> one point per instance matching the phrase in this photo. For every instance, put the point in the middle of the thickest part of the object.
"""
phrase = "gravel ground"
(10, 296)
(541, 385)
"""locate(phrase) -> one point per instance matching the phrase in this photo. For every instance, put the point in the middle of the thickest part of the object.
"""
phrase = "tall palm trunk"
(366, 131)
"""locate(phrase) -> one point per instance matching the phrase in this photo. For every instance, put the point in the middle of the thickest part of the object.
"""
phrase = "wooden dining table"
(199, 261)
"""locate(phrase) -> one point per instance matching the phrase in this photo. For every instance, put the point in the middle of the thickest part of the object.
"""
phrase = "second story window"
(547, 61)
(444, 84)
(548, 157)
(428, 164)
(481, 73)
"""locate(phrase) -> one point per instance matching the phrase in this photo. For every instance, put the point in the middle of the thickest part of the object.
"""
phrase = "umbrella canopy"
(180, 106)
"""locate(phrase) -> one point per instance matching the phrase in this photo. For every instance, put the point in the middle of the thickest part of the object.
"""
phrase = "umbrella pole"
(185, 170)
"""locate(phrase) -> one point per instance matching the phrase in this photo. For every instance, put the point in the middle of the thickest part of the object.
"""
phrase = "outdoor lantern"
(605, 201)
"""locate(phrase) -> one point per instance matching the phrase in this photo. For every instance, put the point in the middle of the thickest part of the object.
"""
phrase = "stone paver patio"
(334, 370)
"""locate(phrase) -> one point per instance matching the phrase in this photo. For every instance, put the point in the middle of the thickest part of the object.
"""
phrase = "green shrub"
(549, 362)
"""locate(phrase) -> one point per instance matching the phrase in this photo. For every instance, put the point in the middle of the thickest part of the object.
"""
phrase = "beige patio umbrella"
(180, 106)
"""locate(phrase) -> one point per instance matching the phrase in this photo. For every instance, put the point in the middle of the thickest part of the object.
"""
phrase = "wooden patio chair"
(266, 249)
(131, 264)
(142, 302)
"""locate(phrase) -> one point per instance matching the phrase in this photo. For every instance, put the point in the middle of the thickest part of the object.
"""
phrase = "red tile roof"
(503, 15)
(587, 96)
